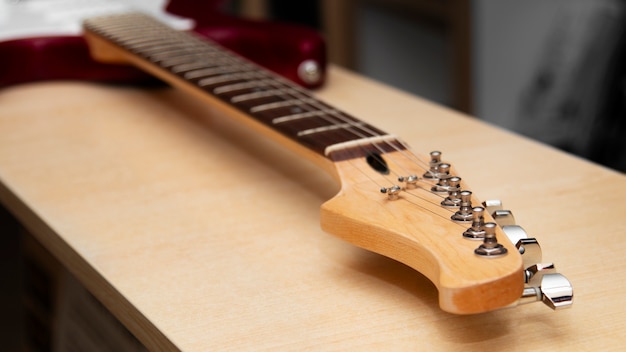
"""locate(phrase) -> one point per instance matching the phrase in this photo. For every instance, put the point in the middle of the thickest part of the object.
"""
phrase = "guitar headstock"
(418, 212)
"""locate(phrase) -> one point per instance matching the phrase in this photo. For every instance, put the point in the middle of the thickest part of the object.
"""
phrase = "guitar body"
(281, 48)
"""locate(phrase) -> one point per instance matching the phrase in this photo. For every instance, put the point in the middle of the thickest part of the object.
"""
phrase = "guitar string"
(301, 95)
(438, 206)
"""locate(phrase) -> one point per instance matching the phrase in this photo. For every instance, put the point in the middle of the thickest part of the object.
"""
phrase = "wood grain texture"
(198, 236)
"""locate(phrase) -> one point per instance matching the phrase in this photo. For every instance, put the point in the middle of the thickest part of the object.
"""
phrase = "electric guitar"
(392, 201)
(40, 40)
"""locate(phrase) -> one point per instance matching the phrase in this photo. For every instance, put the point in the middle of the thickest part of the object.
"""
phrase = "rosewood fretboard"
(264, 96)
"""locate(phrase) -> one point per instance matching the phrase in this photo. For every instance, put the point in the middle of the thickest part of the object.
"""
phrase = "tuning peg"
(476, 231)
(444, 176)
(515, 233)
(530, 250)
(453, 200)
(492, 205)
(555, 291)
(502, 216)
(435, 160)
(490, 247)
(535, 272)
(464, 214)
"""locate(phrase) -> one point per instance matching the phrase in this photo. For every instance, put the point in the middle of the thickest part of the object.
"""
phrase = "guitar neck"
(272, 104)
(425, 219)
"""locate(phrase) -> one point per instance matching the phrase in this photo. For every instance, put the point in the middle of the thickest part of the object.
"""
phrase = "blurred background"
(551, 70)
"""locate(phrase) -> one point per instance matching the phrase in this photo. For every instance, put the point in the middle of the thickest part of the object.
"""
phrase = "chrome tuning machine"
(543, 283)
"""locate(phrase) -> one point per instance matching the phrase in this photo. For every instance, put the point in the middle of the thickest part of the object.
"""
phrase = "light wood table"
(198, 236)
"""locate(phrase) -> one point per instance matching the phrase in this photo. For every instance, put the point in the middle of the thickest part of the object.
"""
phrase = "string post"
(476, 231)
(490, 247)
(464, 214)
(444, 176)
(453, 199)
(433, 172)
(391, 192)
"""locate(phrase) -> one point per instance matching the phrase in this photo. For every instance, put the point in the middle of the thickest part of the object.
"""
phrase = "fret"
(167, 49)
(231, 77)
(205, 72)
(280, 104)
(262, 94)
(330, 128)
(303, 115)
(185, 58)
(162, 55)
(141, 42)
(244, 85)
(194, 65)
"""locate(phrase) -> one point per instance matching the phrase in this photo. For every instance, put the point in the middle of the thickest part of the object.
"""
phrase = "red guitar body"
(276, 46)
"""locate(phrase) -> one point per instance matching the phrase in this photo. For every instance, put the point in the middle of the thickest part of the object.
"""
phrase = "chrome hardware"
(530, 250)
(410, 181)
(444, 176)
(464, 214)
(503, 217)
(309, 72)
(392, 192)
(490, 247)
(435, 160)
(544, 284)
(492, 205)
(514, 233)
(476, 231)
(535, 272)
(453, 200)
(555, 291)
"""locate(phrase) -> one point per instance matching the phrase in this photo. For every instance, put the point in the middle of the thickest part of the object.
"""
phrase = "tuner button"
(490, 247)
(530, 250)
(503, 217)
(555, 291)
(492, 205)
(535, 272)
(476, 231)
(515, 233)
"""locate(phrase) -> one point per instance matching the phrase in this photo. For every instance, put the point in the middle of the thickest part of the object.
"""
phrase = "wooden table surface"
(198, 236)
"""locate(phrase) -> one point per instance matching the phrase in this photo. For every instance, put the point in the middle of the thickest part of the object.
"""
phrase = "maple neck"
(267, 98)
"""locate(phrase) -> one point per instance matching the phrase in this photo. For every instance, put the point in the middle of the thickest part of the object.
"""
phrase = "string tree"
(392, 192)
(410, 182)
